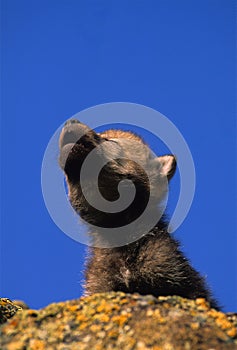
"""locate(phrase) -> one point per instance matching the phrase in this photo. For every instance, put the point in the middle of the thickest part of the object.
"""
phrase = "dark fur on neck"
(153, 264)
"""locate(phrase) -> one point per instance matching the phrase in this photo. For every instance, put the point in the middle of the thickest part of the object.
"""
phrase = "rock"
(121, 321)
(7, 309)
(21, 304)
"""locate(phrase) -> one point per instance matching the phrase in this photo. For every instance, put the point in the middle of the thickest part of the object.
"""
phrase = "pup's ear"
(168, 165)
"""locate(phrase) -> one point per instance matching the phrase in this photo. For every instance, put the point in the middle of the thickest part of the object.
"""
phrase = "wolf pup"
(151, 264)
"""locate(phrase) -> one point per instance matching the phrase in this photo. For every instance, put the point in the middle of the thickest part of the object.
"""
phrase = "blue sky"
(60, 57)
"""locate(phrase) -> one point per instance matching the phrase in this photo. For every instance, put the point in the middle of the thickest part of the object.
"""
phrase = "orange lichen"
(121, 319)
(102, 318)
(201, 301)
(113, 334)
(223, 323)
(73, 308)
(36, 344)
(158, 317)
(81, 318)
(124, 301)
(107, 307)
(13, 322)
(16, 345)
(195, 325)
(232, 332)
(83, 326)
(95, 328)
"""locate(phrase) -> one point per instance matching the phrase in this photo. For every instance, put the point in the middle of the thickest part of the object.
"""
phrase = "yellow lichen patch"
(102, 318)
(101, 334)
(120, 319)
(141, 345)
(104, 306)
(130, 342)
(162, 320)
(215, 314)
(232, 332)
(157, 313)
(73, 308)
(16, 345)
(202, 304)
(194, 325)
(159, 318)
(168, 346)
(81, 317)
(223, 323)
(13, 322)
(95, 328)
(193, 313)
(113, 334)
(36, 344)
(83, 326)
(98, 347)
(200, 301)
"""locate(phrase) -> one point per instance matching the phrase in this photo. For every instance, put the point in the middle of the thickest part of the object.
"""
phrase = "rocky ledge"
(118, 321)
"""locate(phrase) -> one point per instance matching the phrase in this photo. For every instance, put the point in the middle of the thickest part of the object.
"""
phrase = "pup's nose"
(71, 121)
(72, 131)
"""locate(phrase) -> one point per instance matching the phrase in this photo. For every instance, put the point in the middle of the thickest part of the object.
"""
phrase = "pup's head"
(119, 156)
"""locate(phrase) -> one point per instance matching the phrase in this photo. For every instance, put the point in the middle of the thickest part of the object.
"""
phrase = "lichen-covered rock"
(7, 309)
(21, 304)
(121, 321)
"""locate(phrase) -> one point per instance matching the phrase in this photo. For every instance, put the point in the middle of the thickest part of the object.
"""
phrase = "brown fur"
(153, 264)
